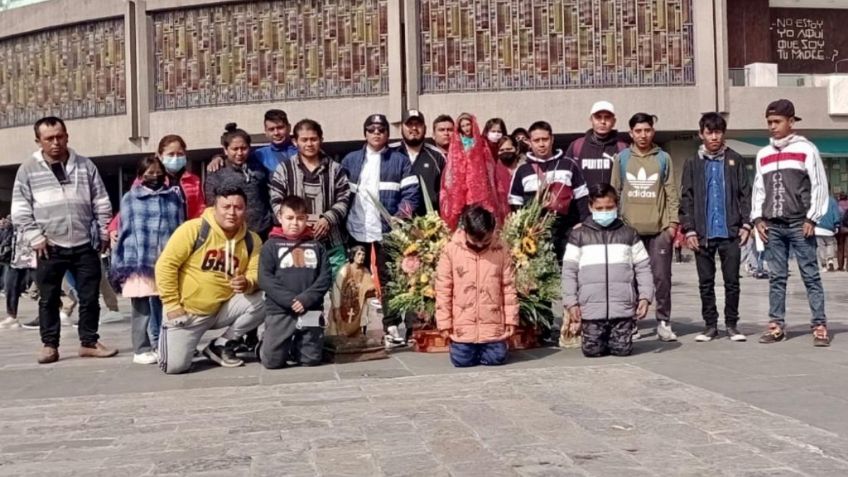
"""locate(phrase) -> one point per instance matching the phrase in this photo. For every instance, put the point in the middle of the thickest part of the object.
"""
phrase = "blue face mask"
(174, 164)
(604, 217)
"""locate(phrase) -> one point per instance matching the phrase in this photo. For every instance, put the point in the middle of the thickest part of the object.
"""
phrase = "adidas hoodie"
(791, 183)
(649, 200)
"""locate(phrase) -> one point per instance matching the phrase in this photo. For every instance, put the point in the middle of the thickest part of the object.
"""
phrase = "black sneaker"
(773, 335)
(821, 338)
(734, 334)
(225, 356)
(31, 324)
(710, 333)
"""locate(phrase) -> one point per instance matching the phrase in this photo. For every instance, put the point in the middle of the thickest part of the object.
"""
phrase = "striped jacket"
(399, 191)
(554, 170)
(599, 267)
(64, 215)
(791, 183)
(326, 191)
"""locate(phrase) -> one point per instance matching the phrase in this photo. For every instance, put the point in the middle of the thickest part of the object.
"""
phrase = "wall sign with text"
(809, 40)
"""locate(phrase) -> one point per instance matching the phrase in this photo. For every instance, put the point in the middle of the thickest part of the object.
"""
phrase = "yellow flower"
(529, 245)
(412, 248)
(425, 279)
(429, 292)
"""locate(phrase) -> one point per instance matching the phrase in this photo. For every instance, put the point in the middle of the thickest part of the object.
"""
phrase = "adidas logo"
(642, 184)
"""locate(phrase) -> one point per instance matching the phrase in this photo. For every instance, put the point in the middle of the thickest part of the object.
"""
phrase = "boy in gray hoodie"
(601, 260)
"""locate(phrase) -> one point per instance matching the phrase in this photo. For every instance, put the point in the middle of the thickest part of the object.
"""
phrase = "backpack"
(624, 157)
(557, 195)
(203, 235)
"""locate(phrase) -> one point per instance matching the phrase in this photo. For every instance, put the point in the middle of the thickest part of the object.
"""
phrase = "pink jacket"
(475, 293)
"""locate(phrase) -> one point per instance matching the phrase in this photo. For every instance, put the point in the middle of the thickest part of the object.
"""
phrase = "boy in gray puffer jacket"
(602, 259)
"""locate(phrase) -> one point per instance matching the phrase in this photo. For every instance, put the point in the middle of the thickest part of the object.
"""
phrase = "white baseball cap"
(602, 106)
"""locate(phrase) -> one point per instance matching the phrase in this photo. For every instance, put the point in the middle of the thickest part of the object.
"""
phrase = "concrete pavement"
(683, 408)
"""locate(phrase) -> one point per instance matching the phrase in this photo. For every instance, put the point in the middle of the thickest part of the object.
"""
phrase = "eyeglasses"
(376, 130)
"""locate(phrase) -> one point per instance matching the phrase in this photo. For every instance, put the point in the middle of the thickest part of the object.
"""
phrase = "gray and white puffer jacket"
(598, 269)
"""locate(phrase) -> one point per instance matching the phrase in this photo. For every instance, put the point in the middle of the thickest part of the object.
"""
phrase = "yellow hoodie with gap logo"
(197, 280)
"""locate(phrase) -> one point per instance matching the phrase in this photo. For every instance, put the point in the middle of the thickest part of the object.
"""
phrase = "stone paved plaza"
(676, 409)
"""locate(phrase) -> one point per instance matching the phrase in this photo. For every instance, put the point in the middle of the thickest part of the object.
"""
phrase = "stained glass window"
(269, 51)
(72, 72)
(490, 45)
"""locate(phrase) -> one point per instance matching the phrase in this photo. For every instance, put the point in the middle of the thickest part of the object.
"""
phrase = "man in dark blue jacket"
(715, 204)
(379, 177)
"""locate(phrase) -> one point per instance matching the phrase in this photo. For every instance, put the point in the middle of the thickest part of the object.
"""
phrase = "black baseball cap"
(412, 114)
(782, 107)
(377, 120)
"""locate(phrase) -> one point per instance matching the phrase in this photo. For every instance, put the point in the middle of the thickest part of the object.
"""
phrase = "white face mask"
(494, 136)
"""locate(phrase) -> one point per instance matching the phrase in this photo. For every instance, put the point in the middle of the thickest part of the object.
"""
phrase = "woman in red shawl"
(472, 176)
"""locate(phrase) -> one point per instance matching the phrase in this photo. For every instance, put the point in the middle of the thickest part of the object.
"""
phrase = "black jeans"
(16, 284)
(83, 263)
(730, 254)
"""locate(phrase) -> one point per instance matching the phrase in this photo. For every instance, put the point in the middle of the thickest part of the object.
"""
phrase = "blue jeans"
(782, 237)
(463, 355)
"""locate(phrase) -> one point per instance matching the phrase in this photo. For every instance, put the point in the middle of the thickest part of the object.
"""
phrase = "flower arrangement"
(414, 247)
(527, 233)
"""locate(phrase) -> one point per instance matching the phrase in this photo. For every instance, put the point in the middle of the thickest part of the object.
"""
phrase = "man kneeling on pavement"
(207, 280)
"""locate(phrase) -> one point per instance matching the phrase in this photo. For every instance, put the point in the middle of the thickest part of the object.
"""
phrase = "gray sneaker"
(664, 331)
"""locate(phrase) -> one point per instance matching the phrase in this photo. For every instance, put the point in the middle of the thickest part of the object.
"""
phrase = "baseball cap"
(782, 107)
(602, 106)
(377, 119)
(412, 114)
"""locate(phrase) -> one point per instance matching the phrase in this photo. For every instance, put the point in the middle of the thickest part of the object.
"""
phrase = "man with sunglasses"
(384, 176)
(61, 207)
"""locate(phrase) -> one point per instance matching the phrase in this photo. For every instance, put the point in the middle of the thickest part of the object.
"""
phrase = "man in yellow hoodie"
(207, 280)
(649, 203)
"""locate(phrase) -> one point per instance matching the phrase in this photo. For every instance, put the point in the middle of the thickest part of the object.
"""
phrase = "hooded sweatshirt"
(791, 183)
(649, 201)
(61, 214)
(293, 268)
(595, 155)
(197, 280)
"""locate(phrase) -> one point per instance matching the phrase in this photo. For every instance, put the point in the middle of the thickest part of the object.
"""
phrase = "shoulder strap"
(577, 147)
(623, 158)
(202, 235)
(663, 157)
(248, 242)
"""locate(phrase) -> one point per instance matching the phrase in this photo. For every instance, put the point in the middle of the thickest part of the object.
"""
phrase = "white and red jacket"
(791, 183)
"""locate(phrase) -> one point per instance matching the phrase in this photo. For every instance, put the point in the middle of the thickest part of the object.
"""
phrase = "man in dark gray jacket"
(601, 261)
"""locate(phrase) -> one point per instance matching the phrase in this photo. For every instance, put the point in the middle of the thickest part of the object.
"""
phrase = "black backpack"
(203, 235)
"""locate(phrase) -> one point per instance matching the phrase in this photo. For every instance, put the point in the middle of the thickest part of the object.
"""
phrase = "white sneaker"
(112, 317)
(9, 323)
(394, 334)
(664, 332)
(148, 357)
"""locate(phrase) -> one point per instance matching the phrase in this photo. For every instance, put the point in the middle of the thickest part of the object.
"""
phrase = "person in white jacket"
(790, 197)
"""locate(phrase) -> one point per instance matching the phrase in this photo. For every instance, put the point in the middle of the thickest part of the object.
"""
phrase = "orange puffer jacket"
(475, 293)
